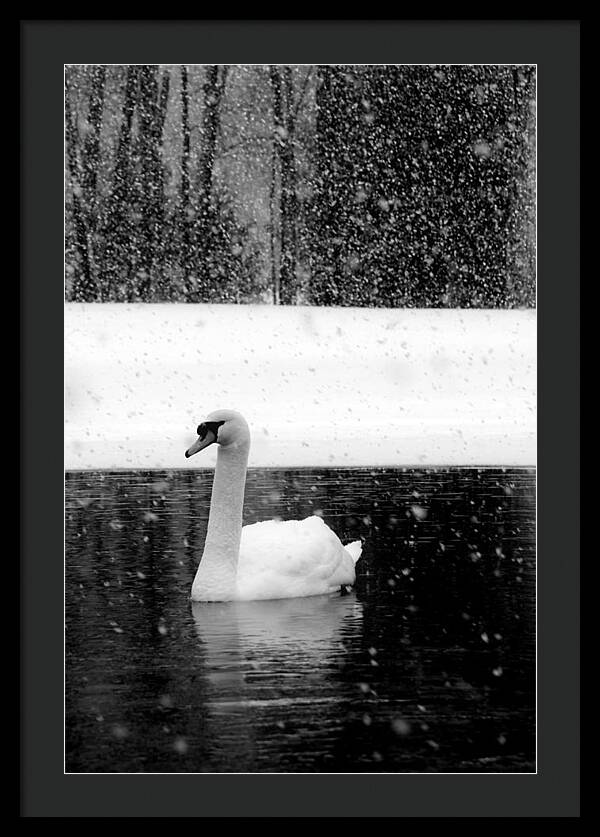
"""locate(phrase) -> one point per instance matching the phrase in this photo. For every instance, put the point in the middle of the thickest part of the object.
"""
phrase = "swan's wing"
(354, 549)
(279, 559)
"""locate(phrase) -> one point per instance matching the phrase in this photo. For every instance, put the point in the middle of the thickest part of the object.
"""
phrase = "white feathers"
(285, 559)
(355, 550)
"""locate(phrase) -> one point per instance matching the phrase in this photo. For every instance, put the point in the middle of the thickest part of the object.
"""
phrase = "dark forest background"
(379, 186)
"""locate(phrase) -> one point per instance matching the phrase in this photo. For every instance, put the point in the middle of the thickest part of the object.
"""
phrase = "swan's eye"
(205, 426)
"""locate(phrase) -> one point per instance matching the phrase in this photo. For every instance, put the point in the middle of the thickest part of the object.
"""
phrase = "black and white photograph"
(300, 412)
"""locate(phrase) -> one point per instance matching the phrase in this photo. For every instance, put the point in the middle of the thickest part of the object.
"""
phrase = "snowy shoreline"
(320, 387)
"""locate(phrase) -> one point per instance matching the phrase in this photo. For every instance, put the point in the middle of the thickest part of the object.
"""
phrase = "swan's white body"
(270, 560)
(283, 559)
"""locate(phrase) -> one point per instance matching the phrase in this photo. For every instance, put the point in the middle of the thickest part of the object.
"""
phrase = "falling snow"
(375, 186)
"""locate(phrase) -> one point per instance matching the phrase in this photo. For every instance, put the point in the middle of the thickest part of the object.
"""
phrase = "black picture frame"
(46, 45)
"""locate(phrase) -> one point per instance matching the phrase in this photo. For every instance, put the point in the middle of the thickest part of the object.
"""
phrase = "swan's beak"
(200, 444)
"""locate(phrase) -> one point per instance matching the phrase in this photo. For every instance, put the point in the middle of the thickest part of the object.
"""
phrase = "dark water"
(428, 666)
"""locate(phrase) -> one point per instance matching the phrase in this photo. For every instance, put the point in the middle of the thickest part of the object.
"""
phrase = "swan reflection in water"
(266, 662)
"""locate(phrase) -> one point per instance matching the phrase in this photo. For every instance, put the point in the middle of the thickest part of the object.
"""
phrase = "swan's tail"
(355, 550)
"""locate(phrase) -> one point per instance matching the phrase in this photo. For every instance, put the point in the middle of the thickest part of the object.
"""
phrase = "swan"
(274, 559)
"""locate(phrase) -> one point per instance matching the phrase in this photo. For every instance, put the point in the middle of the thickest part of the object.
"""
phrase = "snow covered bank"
(319, 386)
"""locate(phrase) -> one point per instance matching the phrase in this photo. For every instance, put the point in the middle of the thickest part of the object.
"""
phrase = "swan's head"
(223, 427)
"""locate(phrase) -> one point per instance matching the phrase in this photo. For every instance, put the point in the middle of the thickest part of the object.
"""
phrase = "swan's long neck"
(216, 576)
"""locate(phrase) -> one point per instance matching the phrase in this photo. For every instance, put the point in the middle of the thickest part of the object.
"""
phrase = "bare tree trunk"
(84, 287)
(163, 235)
(150, 130)
(277, 138)
(185, 208)
(91, 155)
(116, 229)
(273, 226)
(91, 162)
(120, 177)
(163, 101)
(213, 92)
(331, 198)
(284, 129)
(288, 190)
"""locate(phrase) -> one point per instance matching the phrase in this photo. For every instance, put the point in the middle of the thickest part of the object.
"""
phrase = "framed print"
(301, 529)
